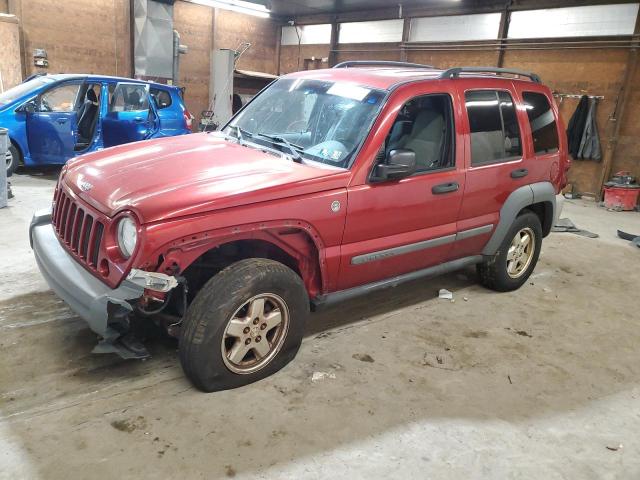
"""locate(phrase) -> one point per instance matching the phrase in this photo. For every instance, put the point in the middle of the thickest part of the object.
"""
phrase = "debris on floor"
(442, 360)
(445, 294)
(566, 225)
(634, 239)
(318, 376)
(363, 357)
(615, 449)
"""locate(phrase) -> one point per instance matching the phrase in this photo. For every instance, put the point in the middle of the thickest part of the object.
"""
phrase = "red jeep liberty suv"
(327, 185)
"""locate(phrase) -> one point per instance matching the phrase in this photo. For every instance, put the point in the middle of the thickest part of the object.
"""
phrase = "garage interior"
(542, 382)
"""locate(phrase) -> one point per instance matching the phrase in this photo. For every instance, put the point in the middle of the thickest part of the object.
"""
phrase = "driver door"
(399, 226)
(131, 116)
(52, 123)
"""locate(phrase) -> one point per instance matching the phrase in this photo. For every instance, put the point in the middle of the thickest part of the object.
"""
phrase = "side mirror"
(28, 107)
(399, 164)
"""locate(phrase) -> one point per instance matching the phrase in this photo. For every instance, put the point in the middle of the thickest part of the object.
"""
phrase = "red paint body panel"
(172, 177)
(193, 193)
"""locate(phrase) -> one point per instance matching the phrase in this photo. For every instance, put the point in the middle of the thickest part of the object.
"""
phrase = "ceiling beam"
(423, 11)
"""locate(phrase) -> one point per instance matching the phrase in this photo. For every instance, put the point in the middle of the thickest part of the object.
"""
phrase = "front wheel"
(516, 258)
(12, 158)
(245, 324)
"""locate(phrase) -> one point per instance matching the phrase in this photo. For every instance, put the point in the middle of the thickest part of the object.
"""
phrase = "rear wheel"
(13, 159)
(245, 324)
(516, 258)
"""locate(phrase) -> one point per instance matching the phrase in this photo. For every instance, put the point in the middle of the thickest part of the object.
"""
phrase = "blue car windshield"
(321, 120)
(22, 89)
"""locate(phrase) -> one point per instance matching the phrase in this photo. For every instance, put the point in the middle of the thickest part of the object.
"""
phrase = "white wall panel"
(309, 34)
(455, 28)
(596, 20)
(371, 32)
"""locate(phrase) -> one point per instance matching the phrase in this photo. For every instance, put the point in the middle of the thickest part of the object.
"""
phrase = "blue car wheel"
(12, 158)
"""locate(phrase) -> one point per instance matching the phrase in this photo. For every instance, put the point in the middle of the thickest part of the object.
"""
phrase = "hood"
(189, 174)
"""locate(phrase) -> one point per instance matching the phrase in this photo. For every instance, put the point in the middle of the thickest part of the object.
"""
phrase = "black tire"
(206, 320)
(14, 161)
(493, 271)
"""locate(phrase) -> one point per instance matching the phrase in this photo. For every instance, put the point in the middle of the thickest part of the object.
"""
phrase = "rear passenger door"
(131, 116)
(169, 115)
(496, 160)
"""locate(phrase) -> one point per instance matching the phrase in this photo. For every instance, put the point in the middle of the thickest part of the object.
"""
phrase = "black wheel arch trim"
(527, 195)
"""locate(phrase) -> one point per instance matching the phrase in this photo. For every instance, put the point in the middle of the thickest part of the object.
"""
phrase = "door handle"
(138, 119)
(519, 173)
(445, 188)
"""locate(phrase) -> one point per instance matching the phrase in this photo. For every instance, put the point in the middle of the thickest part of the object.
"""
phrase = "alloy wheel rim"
(520, 253)
(255, 333)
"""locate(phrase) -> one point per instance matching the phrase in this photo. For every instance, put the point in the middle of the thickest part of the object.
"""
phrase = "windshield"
(320, 120)
(19, 90)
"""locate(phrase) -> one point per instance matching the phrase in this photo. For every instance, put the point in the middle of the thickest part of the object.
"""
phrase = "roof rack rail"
(379, 63)
(456, 71)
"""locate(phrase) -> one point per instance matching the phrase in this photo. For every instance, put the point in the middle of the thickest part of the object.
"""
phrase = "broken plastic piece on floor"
(317, 376)
(127, 347)
(446, 294)
(635, 239)
(566, 225)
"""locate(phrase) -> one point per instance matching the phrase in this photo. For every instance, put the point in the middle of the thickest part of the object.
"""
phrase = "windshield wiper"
(240, 133)
(278, 140)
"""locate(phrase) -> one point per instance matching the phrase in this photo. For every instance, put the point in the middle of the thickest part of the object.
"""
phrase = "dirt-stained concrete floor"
(539, 383)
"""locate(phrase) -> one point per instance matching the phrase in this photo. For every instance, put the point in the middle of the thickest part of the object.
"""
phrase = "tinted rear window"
(495, 134)
(543, 123)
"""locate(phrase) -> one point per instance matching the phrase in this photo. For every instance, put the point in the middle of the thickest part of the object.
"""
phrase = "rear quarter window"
(161, 97)
(542, 121)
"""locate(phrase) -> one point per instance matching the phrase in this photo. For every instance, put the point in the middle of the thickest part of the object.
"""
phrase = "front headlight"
(127, 236)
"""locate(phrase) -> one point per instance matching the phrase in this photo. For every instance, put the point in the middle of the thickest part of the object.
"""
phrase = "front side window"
(129, 98)
(495, 134)
(18, 91)
(542, 121)
(425, 126)
(59, 99)
(323, 121)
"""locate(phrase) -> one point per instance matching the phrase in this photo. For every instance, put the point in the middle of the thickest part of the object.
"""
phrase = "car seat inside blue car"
(87, 118)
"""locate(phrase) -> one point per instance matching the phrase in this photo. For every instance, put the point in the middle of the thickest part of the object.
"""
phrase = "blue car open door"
(51, 124)
(131, 115)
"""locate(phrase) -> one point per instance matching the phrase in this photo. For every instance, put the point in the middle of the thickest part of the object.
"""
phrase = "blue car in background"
(52, 118)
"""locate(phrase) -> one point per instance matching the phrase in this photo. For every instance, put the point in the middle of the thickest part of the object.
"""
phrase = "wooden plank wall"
(94, 36)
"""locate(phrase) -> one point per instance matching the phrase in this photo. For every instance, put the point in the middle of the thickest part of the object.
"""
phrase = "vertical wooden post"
(618, 114)
(278, 48)
(503, 33)
(15, 8)
(406, 28)
(333, 42)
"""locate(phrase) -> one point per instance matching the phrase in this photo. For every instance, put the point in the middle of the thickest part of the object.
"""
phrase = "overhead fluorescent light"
(240, 6)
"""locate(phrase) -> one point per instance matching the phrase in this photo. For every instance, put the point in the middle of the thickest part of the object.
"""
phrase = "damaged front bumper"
(105, 309)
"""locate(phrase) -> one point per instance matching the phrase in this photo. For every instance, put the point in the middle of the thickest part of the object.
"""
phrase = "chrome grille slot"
(78, 228)
(75, 232)
(86, 232)
(71, 216)
(95, 245)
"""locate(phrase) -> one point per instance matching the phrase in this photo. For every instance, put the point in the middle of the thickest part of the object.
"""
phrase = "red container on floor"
(621, 198)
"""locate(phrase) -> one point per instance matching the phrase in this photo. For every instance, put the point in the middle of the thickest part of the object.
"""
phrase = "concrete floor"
(539, 383)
